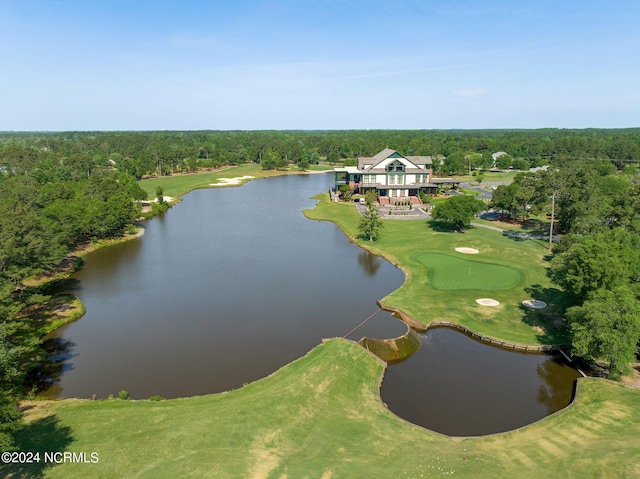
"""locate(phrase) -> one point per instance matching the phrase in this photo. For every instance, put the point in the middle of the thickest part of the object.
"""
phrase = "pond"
(231, 284)
(225, 288)
(459, 386)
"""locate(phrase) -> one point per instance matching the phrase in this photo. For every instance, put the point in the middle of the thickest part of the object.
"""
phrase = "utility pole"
(553, 207)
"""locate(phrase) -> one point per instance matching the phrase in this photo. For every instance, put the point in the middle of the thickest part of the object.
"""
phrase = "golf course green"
(447, 272)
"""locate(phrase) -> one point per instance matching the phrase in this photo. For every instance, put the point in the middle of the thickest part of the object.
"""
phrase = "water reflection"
(225, 288)
(370, 263)
(59, 354)
(460, 387)
(552, 373)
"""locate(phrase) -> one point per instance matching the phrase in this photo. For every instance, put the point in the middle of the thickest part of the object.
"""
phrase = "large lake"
(232, 284)
(225, 288)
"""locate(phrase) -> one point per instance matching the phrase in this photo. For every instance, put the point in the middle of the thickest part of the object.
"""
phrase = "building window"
(396, 166)
(392, 180)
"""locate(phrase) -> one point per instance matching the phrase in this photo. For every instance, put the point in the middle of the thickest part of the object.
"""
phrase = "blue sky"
(318, 64)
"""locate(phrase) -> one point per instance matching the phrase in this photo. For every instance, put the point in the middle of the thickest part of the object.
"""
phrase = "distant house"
(391, 175)
(497, 155)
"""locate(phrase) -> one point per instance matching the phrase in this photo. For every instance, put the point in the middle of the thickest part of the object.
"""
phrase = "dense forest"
(596, 205)
(61, 155)
(58, 190)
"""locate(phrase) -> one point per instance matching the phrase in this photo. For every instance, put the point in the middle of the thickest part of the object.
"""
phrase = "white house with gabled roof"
(392, 176)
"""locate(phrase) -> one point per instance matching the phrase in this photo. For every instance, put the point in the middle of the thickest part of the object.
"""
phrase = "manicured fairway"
(448, 272)
(443, 285)
(178, 185)
(322, 417)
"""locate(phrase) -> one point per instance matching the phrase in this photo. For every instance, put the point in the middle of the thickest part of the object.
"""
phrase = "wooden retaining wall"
(499, 343)
(410, 321)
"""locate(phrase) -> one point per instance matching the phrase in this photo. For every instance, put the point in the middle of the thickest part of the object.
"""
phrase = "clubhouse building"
(394, 177)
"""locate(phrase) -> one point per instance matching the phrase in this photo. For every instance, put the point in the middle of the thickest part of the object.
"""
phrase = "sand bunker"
(467, 250)
(534, 304)
(231, 181)
(487, 302)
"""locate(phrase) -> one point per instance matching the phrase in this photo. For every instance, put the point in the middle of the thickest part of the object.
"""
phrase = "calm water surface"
(232, 284)
(226, 288)
(461, 387)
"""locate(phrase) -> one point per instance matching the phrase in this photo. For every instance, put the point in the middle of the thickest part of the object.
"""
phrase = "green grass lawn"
(519, 273)
(448, 272)
(470, 192)
(178, 185)
(322, 417)
(538, 225)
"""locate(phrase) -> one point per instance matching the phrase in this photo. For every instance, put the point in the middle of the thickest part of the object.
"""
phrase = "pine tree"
(370, 223)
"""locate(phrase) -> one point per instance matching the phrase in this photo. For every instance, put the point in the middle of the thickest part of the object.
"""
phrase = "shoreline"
(370, 247)
(73, 260)
(75, 257)
(56, 313)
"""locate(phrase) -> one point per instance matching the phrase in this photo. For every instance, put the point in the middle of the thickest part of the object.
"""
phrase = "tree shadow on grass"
(530, 225)
(535, 226)
(521, 237)
(442, 226)
(548, 321)
(42, 435)
(554, 297)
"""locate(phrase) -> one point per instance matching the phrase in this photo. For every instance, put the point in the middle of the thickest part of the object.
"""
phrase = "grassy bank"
(427, 293)
(60, 308)
(321, 416)
(180, 184)
(63, 308)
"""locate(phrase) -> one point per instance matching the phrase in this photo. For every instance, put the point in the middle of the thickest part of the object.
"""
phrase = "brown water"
(460, 387)
(232, 284)
(224, 289)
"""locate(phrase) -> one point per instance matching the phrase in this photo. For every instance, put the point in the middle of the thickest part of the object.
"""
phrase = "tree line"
(597, 263)
(61, 189)
(158, 153)
(47, 207)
